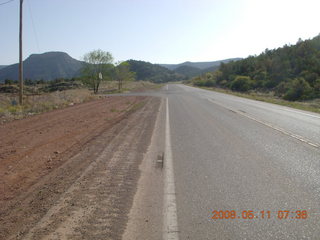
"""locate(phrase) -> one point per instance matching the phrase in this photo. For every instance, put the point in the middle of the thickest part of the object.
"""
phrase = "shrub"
(241, 84)
(299, 90)
(210, 83)
(282, 88)
(223, 83)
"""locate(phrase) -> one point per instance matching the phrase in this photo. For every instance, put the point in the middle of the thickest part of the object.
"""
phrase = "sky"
(157, 31)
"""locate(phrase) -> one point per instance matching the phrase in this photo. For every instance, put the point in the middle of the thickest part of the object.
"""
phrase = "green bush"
(282, 88)
(241, 84)
(210, 83)
(299, 90)
(223, 83)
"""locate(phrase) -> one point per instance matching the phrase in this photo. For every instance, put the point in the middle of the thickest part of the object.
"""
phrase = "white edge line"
(281, 107)
(303, 113)
(271, 126)
(170, 223)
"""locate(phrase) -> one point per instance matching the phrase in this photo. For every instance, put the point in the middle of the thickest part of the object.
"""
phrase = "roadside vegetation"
(99, 76)
(93, 77)
(41, 96)
(98, 66)
(288, 76)
(57, 94)
(99, 70)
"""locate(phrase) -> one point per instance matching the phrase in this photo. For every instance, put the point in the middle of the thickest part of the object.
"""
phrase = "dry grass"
(35, 104)
(112, 86)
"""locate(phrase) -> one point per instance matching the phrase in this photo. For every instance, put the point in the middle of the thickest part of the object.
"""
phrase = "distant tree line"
(31, 82)
(291, 72)
(40, 86)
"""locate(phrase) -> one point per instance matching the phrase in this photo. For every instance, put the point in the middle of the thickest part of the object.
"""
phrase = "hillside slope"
(291, 72)
(153, 72)
(188, 70)
(46, 66)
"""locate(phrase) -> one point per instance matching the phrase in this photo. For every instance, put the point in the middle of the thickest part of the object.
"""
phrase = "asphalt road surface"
(237, 169)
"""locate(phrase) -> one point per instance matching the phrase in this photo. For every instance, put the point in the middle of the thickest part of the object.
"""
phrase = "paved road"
(224, 160)
(231, 153)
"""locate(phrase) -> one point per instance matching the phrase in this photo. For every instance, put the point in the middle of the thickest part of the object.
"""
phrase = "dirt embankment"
(71, 173)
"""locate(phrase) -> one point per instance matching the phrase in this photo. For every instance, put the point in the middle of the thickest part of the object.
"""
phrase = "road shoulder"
(146, 215)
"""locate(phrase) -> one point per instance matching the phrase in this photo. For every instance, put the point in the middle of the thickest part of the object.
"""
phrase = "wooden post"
(20, 58)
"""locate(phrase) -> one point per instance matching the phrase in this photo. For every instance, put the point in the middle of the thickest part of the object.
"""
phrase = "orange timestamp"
(263, 214)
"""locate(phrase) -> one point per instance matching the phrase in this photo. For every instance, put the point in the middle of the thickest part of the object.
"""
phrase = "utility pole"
(20, 58)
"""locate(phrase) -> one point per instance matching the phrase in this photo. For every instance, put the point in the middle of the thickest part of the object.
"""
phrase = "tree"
(123, 73)
(317, 88)
(217, 75)
(97, 67)
(278, 70)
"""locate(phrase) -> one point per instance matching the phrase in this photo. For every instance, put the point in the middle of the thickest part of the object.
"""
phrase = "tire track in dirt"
(95, 214)
(110, 181)
(25, 157)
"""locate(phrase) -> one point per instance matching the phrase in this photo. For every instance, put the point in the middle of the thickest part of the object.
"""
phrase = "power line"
(6, 2)
(33, 27)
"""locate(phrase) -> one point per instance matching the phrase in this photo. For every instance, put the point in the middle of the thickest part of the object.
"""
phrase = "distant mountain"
(153, 72)
(200, 65)
(192, 69)
(46, 66)
(2, 66)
